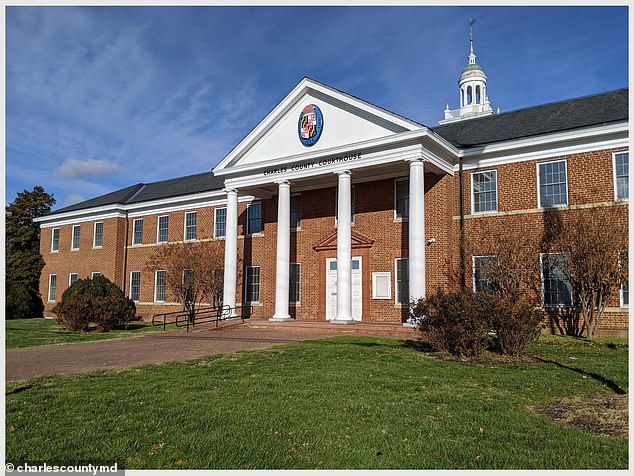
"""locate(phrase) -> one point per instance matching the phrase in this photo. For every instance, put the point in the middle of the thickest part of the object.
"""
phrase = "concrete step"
(361, 328)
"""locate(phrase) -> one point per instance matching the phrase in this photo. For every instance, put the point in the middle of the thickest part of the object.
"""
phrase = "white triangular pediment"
(346, 120)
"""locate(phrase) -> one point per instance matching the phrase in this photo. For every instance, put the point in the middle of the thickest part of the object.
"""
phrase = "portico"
(379, 146)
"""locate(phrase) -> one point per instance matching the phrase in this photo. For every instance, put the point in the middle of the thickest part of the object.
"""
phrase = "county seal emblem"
(310, 124)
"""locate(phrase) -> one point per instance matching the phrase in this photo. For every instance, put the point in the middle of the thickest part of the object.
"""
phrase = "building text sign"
(309, 164)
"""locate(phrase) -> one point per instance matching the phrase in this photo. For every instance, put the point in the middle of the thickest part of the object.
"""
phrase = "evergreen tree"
(23, 260)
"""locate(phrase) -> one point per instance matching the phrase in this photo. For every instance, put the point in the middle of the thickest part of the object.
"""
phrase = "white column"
(282, 267)
(416, 261)
(231, 251)
(344, 251)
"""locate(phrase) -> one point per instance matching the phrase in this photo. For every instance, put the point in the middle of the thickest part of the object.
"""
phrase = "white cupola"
(472, 84)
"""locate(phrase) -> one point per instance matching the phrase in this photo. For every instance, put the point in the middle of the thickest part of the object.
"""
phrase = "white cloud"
(73, 198)
(78, 169)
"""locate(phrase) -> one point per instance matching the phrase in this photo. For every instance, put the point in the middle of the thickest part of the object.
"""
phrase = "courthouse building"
(333, 208)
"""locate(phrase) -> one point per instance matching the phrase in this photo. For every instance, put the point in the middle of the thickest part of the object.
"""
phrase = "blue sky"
(100, 98)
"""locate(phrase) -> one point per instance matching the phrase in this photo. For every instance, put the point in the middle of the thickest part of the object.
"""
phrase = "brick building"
(332, 208)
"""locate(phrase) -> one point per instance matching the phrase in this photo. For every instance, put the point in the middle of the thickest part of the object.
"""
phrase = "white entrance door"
(331, 288)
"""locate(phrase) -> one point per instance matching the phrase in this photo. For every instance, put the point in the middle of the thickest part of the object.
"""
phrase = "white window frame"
(185, 226)
(50, 278)
(396, 282)
(130, 289)
(616, 195)
(94, 235)
(94, 274)
(621, 303)
(396, 217)
(156, 284)
(261, 219)
(246, 289)
(70, 276)
(473, 212)
(158, 228)
(59, 233)
(299, 285)
(543, 284)
(216, 222)
(539, 197)
(72, 238)
(473, 261)
(134, 224)
(379, 274)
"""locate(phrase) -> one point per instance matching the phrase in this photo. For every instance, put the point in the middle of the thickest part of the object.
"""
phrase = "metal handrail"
(202, 316)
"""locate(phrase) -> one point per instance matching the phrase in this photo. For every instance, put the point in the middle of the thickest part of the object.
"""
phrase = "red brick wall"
(590, 180)
(107, 260)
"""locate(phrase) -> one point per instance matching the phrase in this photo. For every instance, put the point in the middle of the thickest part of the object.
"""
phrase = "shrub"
(96, 301)
(74, 312)
(111, 312)
(517, 323)
(99, 286)
(455, 322)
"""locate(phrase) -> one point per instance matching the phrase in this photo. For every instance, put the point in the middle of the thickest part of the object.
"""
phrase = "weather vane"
(471, 22)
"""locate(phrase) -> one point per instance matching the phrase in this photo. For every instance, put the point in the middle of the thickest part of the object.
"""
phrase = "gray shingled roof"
(141, 192)
(120, 196)
(559, 116)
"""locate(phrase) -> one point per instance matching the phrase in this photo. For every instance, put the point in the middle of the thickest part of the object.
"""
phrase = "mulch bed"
(604, 415)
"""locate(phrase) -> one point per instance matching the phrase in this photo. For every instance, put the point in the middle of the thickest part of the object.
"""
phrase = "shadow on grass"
(418, 345)
(18, 390)
(599, 378)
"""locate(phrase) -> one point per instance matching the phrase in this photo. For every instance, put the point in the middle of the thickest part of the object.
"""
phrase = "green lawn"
(33, 332)
(345, 402)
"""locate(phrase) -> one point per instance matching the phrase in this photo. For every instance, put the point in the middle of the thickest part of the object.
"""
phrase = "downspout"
(463, 280)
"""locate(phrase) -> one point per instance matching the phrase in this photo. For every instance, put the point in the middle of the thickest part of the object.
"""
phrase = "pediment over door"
(358, 241)
(343, 120)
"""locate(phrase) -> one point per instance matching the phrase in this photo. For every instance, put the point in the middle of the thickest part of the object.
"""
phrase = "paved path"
(151, 347)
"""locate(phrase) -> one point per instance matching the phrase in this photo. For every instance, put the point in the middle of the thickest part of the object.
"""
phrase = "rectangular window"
(95, 274)
(625, 295)
(190, 226)
(622, 175)
(72, 279)
(481, 282)
(161, 229)
(97, 240)
(352, 194)
(294, 283)
(52, 287)
(296, 213)
(252, 284)
(159, 286)
(402, 281)
(137, 232)
(135, 285)
(484, 191)
(220, 221)
(76, 236)
(556, 288)
(254, 218)
(401, 199)
(382, 285)
(553, 184)
(55, 240)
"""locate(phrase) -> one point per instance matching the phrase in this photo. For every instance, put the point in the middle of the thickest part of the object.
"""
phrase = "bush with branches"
(457, 323)
(97, 301)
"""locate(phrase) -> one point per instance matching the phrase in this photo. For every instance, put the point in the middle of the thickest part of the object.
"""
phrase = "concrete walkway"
(154, 347)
